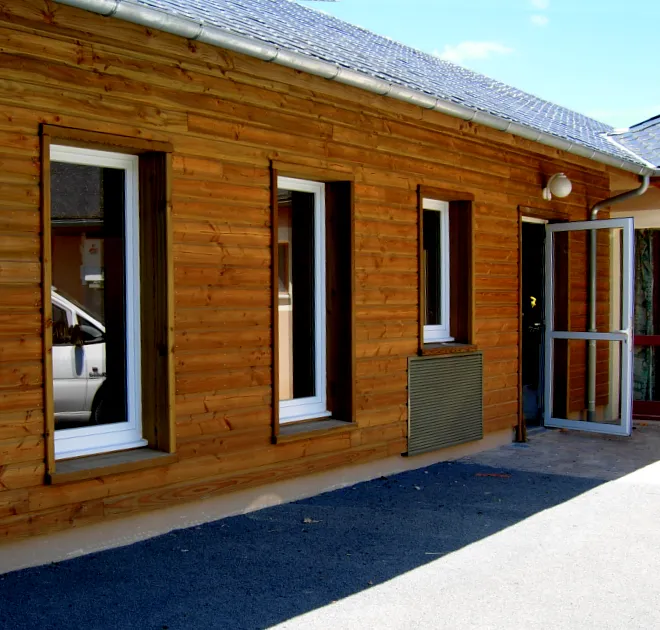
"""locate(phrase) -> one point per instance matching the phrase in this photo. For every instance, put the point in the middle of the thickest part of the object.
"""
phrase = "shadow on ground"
(257, 570)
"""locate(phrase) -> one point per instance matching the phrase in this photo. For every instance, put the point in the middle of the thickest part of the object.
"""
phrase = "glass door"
(588, 358)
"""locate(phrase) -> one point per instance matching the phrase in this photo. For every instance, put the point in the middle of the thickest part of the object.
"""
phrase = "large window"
(313, 288)
(108, 306)
(95, 263)
(301, 309)
(436, 262)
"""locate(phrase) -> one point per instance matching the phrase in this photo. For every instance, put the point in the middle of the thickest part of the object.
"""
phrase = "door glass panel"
(570, 381)
(571, 278)
(89, 270)
(297, 316)
(61, 328)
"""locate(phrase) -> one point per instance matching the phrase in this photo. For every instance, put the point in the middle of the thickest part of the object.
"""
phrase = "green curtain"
(643, 366)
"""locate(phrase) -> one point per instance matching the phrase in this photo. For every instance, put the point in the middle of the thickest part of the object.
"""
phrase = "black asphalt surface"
(263, 568)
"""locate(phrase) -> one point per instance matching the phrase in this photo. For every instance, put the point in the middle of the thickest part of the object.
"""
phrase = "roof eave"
(191, 29)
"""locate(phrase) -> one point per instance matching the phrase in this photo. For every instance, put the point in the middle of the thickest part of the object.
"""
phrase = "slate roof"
(298, 28)
(642, 139)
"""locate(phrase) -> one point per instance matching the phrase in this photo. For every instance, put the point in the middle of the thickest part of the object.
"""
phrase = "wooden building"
(268, 262)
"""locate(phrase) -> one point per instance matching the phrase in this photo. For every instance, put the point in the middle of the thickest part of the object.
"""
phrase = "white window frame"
(312, 407)
(434, 333)
(118, 436)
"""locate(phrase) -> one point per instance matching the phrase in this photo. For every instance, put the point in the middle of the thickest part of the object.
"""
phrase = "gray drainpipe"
(591, 359)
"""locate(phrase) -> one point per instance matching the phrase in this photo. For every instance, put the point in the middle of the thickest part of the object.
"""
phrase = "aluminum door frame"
(625, 335)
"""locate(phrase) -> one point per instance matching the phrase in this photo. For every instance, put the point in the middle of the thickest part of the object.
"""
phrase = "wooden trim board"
(46, 305)
(274, 306)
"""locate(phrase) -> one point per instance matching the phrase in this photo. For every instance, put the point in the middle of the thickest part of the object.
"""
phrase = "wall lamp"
(558, 185)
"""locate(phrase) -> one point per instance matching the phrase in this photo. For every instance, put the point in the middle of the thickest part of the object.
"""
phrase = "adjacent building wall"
(228, 116)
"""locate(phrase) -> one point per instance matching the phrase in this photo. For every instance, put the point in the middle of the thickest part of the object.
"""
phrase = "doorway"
(533, 320)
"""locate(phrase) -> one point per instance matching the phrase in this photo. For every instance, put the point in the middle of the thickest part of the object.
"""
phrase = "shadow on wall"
(260, 569)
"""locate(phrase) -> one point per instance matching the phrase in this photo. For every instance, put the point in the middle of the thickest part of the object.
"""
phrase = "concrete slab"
(578, 454)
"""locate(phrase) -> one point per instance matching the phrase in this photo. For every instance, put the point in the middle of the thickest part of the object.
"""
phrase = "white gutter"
(191, 29)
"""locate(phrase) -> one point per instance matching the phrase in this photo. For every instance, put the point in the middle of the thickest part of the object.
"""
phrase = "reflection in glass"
(88, 295)
(296, 294)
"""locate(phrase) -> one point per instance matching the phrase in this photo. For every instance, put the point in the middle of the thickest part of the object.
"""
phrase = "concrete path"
(559, 533)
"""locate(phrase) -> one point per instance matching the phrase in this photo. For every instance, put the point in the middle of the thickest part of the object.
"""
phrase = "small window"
(436, 267)
(90, 333)
(61, 327)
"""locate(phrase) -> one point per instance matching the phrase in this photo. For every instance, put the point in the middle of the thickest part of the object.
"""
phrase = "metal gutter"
(198, 31)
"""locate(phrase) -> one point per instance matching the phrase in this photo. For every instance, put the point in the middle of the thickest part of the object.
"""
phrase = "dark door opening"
(533, 320)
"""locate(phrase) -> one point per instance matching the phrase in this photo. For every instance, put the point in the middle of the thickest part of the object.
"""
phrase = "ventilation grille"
(444, 401)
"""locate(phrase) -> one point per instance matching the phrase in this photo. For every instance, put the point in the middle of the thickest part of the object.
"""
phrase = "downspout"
(591, 358)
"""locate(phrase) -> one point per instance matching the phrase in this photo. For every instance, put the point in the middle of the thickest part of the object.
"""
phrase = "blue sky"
(598, 57)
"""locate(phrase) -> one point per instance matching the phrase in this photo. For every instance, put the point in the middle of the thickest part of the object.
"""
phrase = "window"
(436, 263)
(445, 268)
(96, 386)
(302, 326)
(106, 213)
(313, 315)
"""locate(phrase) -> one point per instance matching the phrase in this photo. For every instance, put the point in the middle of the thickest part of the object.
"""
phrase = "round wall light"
(558, 185)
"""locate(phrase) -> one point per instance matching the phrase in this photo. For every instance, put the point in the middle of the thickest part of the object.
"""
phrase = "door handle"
(95, 373)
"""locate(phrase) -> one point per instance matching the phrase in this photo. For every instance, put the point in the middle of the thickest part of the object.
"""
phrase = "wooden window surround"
(460, 276)
(339, 306)
(156, 304)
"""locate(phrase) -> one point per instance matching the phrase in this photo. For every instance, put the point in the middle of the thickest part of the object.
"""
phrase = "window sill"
(95, 466)
(311, 428)
(446, 348)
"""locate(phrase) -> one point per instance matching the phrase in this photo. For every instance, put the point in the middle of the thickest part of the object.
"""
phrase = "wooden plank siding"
(229, 118)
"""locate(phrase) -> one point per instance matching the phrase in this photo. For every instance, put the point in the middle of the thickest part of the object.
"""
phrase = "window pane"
(283, 267)
(89, 271)
(433, 267)
(297, 313)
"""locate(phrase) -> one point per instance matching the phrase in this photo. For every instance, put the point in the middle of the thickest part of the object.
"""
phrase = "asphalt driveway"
(501, 540)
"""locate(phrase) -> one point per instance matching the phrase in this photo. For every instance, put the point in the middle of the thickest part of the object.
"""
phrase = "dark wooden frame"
(274, 305)
(461, 206)
(158, 424)
(340, 272)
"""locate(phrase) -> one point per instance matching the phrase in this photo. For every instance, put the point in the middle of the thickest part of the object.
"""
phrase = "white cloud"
(541, 5)
(472, 50)
(539, 20)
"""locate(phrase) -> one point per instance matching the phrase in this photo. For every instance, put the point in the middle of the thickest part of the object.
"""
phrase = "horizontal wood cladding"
(228, 118)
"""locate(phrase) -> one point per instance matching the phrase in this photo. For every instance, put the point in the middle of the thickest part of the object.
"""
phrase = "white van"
(78, 362)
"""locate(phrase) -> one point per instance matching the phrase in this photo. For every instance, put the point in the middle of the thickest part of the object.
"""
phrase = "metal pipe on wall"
(591, 356)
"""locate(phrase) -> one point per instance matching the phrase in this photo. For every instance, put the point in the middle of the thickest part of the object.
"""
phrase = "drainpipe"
(591, 358)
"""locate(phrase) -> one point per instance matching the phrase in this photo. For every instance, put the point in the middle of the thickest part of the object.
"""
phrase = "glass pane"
(89, 295)
(297, 358)
(571, 381)
(433, 266)
(572, 280)
(646, 365)
(646, 373)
